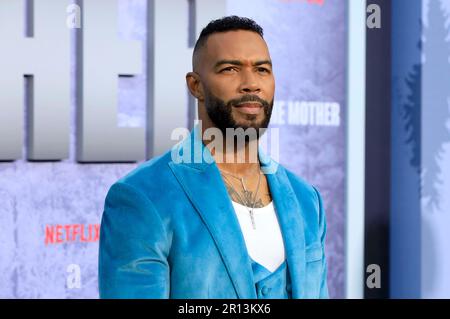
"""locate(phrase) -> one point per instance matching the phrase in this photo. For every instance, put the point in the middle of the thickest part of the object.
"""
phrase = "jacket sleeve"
(134, 247)
(323, 294)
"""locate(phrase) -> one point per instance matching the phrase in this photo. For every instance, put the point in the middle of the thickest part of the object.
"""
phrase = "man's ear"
(194, 85)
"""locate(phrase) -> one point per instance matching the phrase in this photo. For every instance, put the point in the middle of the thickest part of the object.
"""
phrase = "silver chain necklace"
(241, 179)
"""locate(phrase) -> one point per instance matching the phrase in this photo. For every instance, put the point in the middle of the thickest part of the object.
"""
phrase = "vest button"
(265, 290)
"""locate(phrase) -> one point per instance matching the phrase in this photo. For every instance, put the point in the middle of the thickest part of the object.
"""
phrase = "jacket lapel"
(203, 184)
(289, 213)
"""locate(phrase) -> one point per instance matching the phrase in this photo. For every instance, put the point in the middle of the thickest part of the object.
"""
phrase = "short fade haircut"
(229, 23)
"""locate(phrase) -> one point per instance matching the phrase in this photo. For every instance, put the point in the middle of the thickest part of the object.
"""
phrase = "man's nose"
(249, 82)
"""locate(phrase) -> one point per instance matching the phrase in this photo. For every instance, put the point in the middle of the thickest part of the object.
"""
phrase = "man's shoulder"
(147, 173)
(301, 187)
(309, 198)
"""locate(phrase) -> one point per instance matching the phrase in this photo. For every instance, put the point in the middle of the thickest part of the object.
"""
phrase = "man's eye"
(229, 69)
(263, 70)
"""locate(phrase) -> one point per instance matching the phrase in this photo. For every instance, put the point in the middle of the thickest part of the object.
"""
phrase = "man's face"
(237, 80)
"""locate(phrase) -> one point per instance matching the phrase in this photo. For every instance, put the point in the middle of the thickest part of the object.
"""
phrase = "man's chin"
(251, 132)
(257, 127)
(245, 124)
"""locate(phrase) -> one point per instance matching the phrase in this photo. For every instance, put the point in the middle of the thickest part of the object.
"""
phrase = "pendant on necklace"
(253, 219)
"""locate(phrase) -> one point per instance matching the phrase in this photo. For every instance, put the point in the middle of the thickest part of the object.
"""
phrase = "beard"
(221, 113)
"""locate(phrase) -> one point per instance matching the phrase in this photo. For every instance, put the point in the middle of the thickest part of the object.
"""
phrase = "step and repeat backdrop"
(420, 163)
(91, 89)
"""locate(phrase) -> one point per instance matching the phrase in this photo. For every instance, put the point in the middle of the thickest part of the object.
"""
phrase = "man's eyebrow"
(239, 63)
(263, 62)
(233, 62)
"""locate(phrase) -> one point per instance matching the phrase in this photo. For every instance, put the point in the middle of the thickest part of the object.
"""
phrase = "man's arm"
(133, 247)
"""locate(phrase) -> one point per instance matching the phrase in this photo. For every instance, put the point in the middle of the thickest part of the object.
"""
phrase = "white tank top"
(265, 243)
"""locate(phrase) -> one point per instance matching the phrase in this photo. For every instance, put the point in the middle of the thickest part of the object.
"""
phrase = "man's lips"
(249, 107)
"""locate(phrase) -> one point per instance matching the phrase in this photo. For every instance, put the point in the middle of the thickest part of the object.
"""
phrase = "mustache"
(248, 98)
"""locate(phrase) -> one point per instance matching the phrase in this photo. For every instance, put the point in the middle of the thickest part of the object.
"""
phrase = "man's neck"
(240, 161)
(238, 169)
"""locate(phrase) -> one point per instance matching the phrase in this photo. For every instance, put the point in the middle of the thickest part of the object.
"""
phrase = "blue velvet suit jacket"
(169, 231)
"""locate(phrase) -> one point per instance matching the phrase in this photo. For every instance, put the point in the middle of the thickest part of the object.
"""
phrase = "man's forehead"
(236, 45)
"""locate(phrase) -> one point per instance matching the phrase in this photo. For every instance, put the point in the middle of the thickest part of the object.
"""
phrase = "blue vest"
(271, 285)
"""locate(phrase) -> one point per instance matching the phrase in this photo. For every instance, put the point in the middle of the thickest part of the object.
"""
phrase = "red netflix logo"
(58, 234)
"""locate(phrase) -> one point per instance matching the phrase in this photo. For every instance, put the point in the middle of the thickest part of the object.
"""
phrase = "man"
(230, 225)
